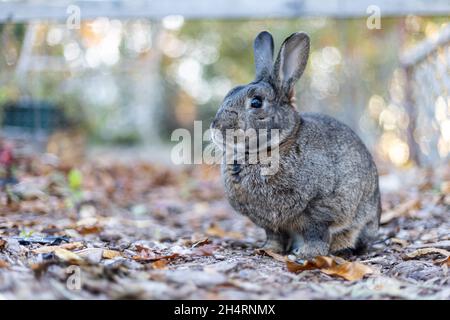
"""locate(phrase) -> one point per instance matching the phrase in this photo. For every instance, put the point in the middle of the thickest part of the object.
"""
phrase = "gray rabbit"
(324, 198)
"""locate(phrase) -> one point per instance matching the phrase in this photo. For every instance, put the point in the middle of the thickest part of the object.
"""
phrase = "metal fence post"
(410, 108)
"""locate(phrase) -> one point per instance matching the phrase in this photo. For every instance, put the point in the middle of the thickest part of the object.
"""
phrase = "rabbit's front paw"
(273, 245)
(311, 243)
(310, 250)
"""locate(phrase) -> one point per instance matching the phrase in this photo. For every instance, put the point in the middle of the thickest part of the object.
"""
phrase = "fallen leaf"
(445, 187)
(160, 264)
(68, 256)
(84, 230)
(2, 244)
(276, 256)
(222, 266)
(401, 242)
(88, 225)
(205, 250)
(332, 266)
(4, 264)
(148, 254)
(40, 268)
(447, 261)
(401, 210)
(67, 246)
(317, 263)
(445, 244)
(200, 242)
(110, 254)
(425, 251)
(72, 245)
(215, 231)
(92, 255)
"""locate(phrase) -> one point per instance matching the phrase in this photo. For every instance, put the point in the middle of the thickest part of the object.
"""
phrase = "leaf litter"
(334, 266)
(145, 230)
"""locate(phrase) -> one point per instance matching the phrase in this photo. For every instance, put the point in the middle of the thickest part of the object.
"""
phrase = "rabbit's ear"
(291, 62)
(263, 49)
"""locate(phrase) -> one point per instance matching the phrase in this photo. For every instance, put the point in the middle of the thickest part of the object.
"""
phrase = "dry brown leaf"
(168, 257)
(66, 246)
(425, 251)
(332, 266)
(148, 254)
(2, 244)
(215, 231)
(68, 256)
(84, 230)
(447, 261)
(205, 250)
(89, 225)
(317, 263)
(201, 242)
(401, 242)
(110, 254)
(276, 256)
(445, 187)
(160, 264)
(91, 255)
(401, 210)
(3, 264)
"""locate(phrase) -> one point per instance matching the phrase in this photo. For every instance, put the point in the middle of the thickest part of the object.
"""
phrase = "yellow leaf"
(332, 266)
(110, 254)
(160, 264)
(68, 256)
(66, 246)
(215, 231)
(276, 256)
(349, 270)
(425, 251)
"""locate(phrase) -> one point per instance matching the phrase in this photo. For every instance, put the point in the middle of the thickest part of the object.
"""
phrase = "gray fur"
(325, 196)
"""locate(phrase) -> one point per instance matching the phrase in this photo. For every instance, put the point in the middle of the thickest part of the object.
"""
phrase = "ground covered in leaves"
(142, 230)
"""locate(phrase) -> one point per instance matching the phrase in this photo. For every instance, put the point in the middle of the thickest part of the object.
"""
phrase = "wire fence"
(427, 99)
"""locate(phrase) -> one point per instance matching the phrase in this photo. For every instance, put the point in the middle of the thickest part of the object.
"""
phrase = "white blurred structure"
(26, 10)
(427, 98)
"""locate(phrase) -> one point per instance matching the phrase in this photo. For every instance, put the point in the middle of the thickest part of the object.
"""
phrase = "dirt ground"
(146, 231)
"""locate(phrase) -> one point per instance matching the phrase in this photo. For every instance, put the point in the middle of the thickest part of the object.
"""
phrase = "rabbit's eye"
(256, 102)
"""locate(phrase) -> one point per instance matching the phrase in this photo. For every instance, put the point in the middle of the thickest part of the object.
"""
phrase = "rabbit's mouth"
(263, 119)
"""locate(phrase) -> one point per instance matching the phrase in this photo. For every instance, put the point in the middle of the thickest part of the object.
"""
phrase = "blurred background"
(129, 78)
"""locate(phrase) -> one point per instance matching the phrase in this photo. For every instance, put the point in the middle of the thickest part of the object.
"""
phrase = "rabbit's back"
(342, 146)
(355, 199)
